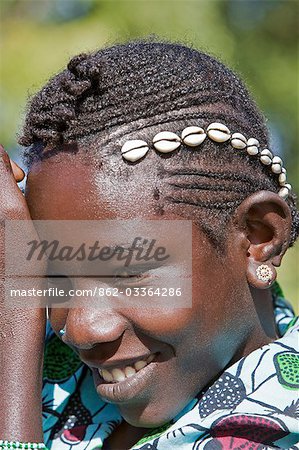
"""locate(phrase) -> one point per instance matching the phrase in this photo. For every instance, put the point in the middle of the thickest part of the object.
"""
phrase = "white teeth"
(140, 364)
(150, 358)
(116, 375)
(129, 371)
(106, 375)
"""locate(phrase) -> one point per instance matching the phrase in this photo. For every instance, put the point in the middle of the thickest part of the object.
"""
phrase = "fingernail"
(18, 171)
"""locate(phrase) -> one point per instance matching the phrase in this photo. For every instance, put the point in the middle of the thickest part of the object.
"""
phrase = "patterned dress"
(254, 405)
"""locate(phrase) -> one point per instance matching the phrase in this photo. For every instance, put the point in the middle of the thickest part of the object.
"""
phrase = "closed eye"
(133, 274)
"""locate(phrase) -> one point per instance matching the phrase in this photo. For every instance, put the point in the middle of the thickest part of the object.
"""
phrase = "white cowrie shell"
(282, 178)
(265, 160)
(253, 141)
(283, 170)
(252, 146)
(283, 192)
(266, 157)
(277, 160)
(238, 141)
(266, 152)
(166, 141)
(134, 150)
(193, 136)
(276, 168)
(218, 132)
(288, 186)
(252, 150)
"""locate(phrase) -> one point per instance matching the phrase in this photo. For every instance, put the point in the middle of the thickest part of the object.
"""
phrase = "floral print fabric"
(253, 405)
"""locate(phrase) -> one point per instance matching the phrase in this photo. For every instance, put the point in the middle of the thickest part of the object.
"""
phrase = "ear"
(265, 221)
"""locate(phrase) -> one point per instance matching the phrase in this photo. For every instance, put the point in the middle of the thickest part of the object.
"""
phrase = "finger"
(4, 161)
(9, 170)
(19, 173)
(12, 202)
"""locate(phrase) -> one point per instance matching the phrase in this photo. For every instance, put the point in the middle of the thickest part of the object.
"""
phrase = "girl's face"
(189, 347)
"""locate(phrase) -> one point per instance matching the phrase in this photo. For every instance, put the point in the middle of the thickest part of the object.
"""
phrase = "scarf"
(254, 404)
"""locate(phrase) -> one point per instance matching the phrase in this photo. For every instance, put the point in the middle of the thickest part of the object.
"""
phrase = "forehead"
(82, 186)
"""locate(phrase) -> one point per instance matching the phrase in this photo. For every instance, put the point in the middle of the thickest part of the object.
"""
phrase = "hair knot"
(75, 62)
(85, 67)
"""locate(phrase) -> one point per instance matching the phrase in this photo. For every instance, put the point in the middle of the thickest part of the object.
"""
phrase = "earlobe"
(265, 221)
(260, 276)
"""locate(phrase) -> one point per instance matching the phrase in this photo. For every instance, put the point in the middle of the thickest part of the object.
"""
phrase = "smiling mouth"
(117, 374)
(127, 384)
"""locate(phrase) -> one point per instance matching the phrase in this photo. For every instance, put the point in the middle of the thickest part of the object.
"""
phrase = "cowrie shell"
(193, 136)
(238, 141)
(282, 178)
(266, 157)
(253, 141)
(265, 160)
(276, 168)
(252, 150)
(252, 146)
(288, 186)
(283, 192)
(267, 152)
(166, 141)
(218, 132)
(134, 150)
(277, 160)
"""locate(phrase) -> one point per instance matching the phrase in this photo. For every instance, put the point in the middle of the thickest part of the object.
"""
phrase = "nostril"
(78, 345)
(99, 353)
(87, 328)
(89, 339)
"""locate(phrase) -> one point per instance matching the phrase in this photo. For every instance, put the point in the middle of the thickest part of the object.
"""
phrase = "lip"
(127, 390)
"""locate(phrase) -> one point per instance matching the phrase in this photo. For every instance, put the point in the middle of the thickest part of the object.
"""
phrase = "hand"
(21, 331)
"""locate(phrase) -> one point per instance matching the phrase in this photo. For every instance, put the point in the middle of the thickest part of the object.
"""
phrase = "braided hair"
(146, 85)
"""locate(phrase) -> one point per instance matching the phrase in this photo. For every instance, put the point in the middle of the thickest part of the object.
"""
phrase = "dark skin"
(237, 316)
(21, 379)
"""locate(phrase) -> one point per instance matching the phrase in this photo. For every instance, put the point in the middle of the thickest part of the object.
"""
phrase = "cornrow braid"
(144, 84)
(214, 193)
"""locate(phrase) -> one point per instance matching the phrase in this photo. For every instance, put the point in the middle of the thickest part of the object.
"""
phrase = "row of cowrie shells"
(193, 136)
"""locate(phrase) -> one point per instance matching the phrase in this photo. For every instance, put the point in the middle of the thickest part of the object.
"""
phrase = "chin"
(145, 417)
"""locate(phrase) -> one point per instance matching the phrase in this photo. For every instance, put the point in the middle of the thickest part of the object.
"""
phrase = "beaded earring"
(264, 273)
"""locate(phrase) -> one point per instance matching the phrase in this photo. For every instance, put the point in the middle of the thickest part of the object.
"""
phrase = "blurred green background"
(258, 39)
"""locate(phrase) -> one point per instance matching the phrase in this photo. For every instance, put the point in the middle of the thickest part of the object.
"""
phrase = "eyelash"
(121, 276)
(135, 279)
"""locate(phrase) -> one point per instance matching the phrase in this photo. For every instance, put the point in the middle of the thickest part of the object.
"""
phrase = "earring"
(264, 273)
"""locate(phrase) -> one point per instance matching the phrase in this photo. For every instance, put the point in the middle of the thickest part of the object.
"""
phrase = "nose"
(89, 327)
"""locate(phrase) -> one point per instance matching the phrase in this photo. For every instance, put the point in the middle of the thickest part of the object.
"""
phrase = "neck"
(263, 304)
(263, 328)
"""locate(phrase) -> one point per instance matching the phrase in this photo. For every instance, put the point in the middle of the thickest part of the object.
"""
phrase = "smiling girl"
(157, 131)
